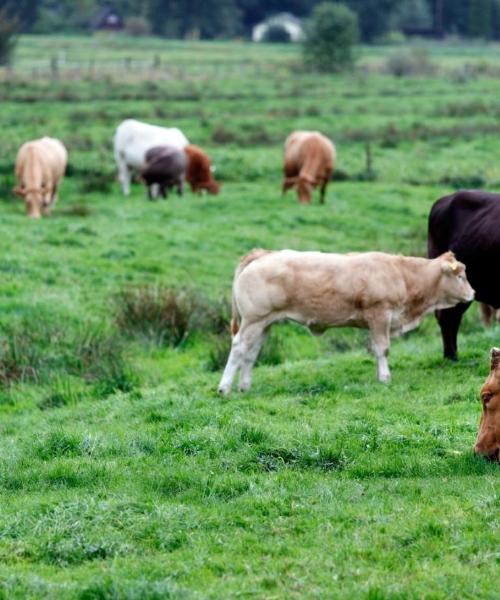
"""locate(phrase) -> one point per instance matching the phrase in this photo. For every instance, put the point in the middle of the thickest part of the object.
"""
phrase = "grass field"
(122, 473)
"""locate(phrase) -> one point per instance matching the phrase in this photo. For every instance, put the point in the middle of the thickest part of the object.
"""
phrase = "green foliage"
(331, 36)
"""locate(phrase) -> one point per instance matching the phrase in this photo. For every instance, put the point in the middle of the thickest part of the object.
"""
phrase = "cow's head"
(454, 287)
(488, 437)
(35, 199)
(304, 190)
(212, 186)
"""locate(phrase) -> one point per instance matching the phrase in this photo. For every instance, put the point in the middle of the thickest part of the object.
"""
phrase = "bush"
(167, 316)
(8, 30)
(276, 34)
(162, 315)
(137, 26)
(410, 63)
(331, 35)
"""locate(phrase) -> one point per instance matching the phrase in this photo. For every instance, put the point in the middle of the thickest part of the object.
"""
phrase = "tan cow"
(488, 437)
(309, 162)
(40, 166)
(386, 294)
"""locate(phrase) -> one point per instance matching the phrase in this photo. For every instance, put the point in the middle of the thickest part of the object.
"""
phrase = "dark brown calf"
(165, 168)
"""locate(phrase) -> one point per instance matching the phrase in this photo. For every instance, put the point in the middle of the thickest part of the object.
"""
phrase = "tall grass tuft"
(166, 316)
(40, 350)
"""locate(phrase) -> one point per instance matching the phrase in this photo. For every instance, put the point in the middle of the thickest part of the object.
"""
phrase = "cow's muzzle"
(491, 455)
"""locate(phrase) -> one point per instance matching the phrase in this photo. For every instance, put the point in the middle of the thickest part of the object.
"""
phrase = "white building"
(287, 21)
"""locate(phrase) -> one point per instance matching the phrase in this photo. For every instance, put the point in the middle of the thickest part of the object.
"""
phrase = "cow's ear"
(19, 191)
(451, 267)
(495, 358)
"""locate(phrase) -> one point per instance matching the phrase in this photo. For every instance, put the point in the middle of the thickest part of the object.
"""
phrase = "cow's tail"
(244, 262)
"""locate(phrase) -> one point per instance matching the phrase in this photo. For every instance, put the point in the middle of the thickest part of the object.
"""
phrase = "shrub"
(162, 315)
(137, 26)
(276, 34)
(331, 35)
(410, 63)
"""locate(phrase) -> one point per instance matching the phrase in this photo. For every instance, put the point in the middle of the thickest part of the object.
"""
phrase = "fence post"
(54, 67)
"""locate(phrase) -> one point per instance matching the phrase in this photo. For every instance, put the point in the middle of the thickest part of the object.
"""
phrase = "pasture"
(122, 473)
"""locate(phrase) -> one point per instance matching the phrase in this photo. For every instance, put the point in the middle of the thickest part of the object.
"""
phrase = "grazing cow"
(489, 314)
(468, 223)
(133, 139)
(386, 294)
(488, 437)
(309, 162)
(40, 166)
(199, 172)
(165, 168)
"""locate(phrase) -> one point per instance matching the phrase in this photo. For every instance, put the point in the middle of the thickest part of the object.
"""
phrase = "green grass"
(122, 473)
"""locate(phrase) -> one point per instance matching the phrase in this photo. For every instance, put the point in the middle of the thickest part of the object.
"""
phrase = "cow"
(199, 172)
(40, 167)
(165, 168)
(133, 139)
(488, 437)
(384, 293)
(489, 314)
(309, 162)
(468, 223)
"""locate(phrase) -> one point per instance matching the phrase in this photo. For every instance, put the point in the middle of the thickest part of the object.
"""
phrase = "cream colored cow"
(40, 166)
(386, 294)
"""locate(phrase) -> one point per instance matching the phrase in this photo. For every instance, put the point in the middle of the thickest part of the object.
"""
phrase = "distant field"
(122, 473)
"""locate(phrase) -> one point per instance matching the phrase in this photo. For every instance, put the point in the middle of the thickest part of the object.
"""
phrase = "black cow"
(166, 168)
(468, 223)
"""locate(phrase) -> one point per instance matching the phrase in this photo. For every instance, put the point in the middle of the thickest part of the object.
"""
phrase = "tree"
(415, 14)
(331, 35)
(8, 30)
(480, 19)
(373, 16)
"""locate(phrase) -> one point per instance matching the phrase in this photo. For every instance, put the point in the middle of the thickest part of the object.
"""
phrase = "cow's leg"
(449, 321)
(381, 340)
(123, 175)
(254, 340)
(323, 191)
(242, 350)
(180, 187)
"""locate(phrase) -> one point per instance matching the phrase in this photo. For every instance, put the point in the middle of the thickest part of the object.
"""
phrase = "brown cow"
(199, 172)
(488, 437)
(386, 294)
(309, 162)
(40, 166)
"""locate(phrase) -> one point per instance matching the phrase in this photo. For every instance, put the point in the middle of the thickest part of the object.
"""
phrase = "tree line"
(234, 18)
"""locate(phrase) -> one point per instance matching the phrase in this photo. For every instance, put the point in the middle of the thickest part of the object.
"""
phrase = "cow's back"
(134, 138)
(46, 155)
(468, 223)
(308, 149)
